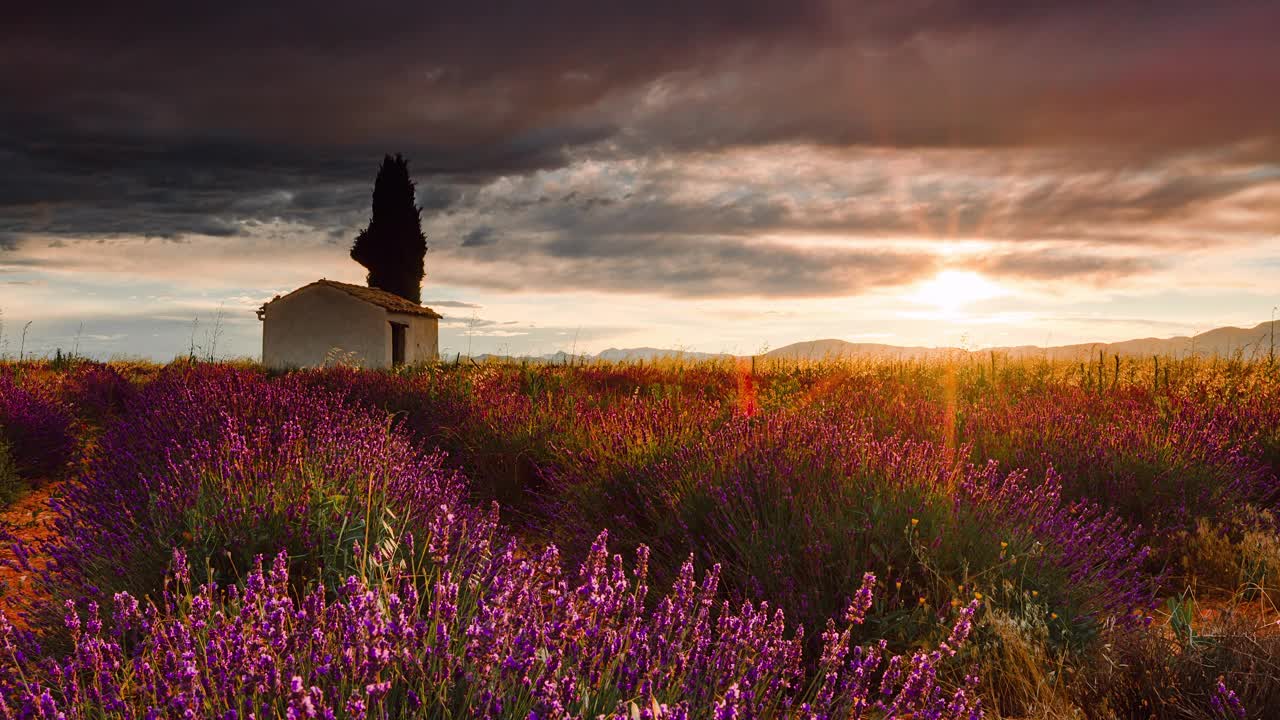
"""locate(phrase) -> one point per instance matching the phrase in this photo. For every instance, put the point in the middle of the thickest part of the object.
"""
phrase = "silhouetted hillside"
(1248, 343)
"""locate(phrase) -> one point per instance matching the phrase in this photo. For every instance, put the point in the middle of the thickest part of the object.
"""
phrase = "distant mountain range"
(1248, 343)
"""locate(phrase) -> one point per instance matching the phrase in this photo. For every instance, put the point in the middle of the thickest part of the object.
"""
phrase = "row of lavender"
(389, 595)
(791, 483)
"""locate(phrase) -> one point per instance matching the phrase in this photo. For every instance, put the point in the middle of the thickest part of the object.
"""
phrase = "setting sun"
(951, 290)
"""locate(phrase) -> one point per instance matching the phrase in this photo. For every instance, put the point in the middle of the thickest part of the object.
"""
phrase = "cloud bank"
(720, 149)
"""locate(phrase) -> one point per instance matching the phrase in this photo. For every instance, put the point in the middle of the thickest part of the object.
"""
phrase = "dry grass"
(1029, 683)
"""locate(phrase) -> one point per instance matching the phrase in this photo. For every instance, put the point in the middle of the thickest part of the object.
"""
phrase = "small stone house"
(330, 322)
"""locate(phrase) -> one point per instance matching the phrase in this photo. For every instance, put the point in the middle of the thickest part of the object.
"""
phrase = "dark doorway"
(397, 343)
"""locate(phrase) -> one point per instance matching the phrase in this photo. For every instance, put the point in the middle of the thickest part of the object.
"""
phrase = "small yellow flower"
(915, 522)
(977, 595)
(1003, 544)
(1035, 593)
(1053, 616)
(898, 585)
(921, 599)
(955, 602)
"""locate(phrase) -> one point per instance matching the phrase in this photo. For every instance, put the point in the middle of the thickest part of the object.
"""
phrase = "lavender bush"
(1159, 464)
(96, 392)
(795, 506)
(230, 465)
(37, 429)
(523, 643)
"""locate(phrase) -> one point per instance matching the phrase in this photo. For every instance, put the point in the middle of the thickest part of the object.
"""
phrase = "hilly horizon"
(1249, 343)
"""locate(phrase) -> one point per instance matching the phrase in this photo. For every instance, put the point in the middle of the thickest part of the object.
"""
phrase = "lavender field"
(961, 539)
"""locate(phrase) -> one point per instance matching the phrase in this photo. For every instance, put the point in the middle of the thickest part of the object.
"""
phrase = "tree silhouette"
(392, 248)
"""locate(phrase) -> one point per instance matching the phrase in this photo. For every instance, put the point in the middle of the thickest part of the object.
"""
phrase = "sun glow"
(951, 290)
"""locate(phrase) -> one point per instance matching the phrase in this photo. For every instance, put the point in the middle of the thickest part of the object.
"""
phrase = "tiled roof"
(383, 299)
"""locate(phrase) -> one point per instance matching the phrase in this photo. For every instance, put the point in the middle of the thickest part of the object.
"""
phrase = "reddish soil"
(1258, 616)
(29, 519)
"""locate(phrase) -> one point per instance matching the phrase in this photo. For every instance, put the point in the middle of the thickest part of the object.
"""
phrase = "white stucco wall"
(422, 338)
(307, 327)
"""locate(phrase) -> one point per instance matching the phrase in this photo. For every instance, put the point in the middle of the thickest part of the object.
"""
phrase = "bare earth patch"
(30, 519)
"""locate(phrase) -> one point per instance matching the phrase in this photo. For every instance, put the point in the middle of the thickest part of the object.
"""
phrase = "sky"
(721, 176)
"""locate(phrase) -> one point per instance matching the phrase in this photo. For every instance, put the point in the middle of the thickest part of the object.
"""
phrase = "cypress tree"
(392, 248)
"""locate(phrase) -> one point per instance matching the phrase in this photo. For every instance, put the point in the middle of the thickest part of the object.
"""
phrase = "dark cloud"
(512, 86)
(70, 185)
(479, 237)
(1083, 75)
(1010, 197)
(475, 324)
(434, 196)
(1052, 265)
(174, 120)
(1146, 195)
(504, 76)
(686, 267)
